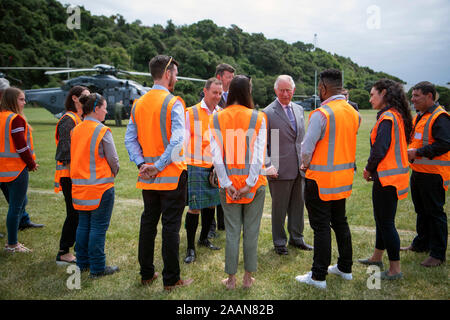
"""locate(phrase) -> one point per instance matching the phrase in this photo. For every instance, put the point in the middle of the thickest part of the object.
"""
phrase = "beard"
(171, 84)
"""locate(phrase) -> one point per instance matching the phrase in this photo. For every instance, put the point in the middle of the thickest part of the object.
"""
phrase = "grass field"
(36, 276)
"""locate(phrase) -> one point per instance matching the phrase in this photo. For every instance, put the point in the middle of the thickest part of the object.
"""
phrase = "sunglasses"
(168, 64)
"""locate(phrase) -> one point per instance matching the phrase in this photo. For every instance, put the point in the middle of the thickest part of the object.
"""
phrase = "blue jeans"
(25, 218)
(91, 234)
(17, 199)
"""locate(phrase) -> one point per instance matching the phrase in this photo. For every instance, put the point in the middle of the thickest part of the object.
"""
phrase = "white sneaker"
(307, 278)
(335, 270)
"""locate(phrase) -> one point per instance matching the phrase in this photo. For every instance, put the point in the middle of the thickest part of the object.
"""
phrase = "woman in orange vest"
(66, 123)
(16, 159)
(388, 168)
(93, 165)
(238, 144)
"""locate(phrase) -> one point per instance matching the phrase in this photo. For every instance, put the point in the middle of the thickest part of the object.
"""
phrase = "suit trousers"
(246, 217)
(323, 215)
(170, 206)
(287, 197)
(428, 196)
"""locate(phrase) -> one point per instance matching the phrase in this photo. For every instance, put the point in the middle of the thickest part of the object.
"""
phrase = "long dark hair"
(90, 102)
(396, 98)
(74, 91)
(240, 92)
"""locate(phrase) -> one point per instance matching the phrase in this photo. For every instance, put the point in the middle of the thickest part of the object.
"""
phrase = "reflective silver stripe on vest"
(335, 190)
(402, 192)
(9, 174)
(60, 167)
(86, 202)
(162, 120)
(248, 153)
(133, 111)
(446, 183)
(427, 161)
(425, 140)
(330, 167)
(249, 195)
(159, 180)
(398, 155)
(162, 124)
(7, 153)
(92, 166)
(151, 159)
(198, 154)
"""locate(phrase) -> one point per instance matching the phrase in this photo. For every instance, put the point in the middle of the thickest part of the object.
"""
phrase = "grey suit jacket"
(288, 159)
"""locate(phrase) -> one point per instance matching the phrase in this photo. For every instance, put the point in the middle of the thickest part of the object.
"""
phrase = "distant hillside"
(34, 33)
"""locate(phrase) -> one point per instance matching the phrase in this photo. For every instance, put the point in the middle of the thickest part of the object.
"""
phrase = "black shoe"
(301, 245)
(60, 262)
(190, 256)
(206, 243)
(30, 225)
(108, 271)
(281, 250)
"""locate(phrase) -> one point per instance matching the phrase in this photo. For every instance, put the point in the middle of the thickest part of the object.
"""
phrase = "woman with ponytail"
(66, 123)
(388, 168)
(93, 167)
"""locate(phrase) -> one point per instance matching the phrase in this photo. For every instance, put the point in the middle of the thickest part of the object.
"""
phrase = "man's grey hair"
(284, 77)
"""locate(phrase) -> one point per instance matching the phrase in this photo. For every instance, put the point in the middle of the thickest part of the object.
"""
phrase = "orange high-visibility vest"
(91, 174)
(11, 165)
(240, 127)
(63, 171)
(152, 115)
(423, 136)
(333, 162)
(198, 151)
(393, 170)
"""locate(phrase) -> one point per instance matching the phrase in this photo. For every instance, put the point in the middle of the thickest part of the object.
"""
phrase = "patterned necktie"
(225, 96)
(291, 118)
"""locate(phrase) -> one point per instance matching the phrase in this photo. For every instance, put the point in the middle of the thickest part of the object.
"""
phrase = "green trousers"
(246, 217)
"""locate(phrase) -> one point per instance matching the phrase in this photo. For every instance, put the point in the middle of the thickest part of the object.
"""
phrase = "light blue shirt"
(176, 140)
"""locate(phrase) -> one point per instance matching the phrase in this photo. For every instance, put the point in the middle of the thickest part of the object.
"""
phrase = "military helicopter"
(104, 82)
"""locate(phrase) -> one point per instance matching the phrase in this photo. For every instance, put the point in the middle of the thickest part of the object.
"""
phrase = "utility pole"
(68, 52)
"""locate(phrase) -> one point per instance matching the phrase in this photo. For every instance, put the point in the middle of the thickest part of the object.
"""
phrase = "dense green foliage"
(34, 33)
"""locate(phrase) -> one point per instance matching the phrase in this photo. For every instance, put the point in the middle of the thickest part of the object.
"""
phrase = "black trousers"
(69, 230)
(384, 200)
(170, 206)
(428, 196)
(324, 215)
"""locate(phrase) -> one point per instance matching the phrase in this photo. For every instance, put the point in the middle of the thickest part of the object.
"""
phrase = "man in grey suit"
(285, 120)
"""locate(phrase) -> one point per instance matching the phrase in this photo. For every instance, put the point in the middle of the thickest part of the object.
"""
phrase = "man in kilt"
(202, 197)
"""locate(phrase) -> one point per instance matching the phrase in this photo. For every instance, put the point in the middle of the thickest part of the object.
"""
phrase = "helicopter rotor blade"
(69, 71)
(190, 79)
(32, 68)
(149, 75)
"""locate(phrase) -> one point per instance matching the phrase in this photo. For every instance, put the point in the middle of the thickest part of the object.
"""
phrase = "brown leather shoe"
(431, 262)
(150, 281)
(180, 283)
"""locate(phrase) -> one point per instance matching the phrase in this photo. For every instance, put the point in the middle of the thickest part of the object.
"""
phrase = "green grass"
(36, 276)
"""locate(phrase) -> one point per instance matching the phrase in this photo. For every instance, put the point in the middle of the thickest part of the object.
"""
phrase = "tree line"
(34, 33)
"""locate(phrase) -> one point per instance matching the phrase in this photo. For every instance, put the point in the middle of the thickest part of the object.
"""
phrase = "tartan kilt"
(200, 193)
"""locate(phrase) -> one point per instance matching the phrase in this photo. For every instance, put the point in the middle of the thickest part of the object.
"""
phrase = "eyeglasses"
(168, 64)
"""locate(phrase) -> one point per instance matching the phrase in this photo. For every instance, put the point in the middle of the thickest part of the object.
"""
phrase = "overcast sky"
(408, 39)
